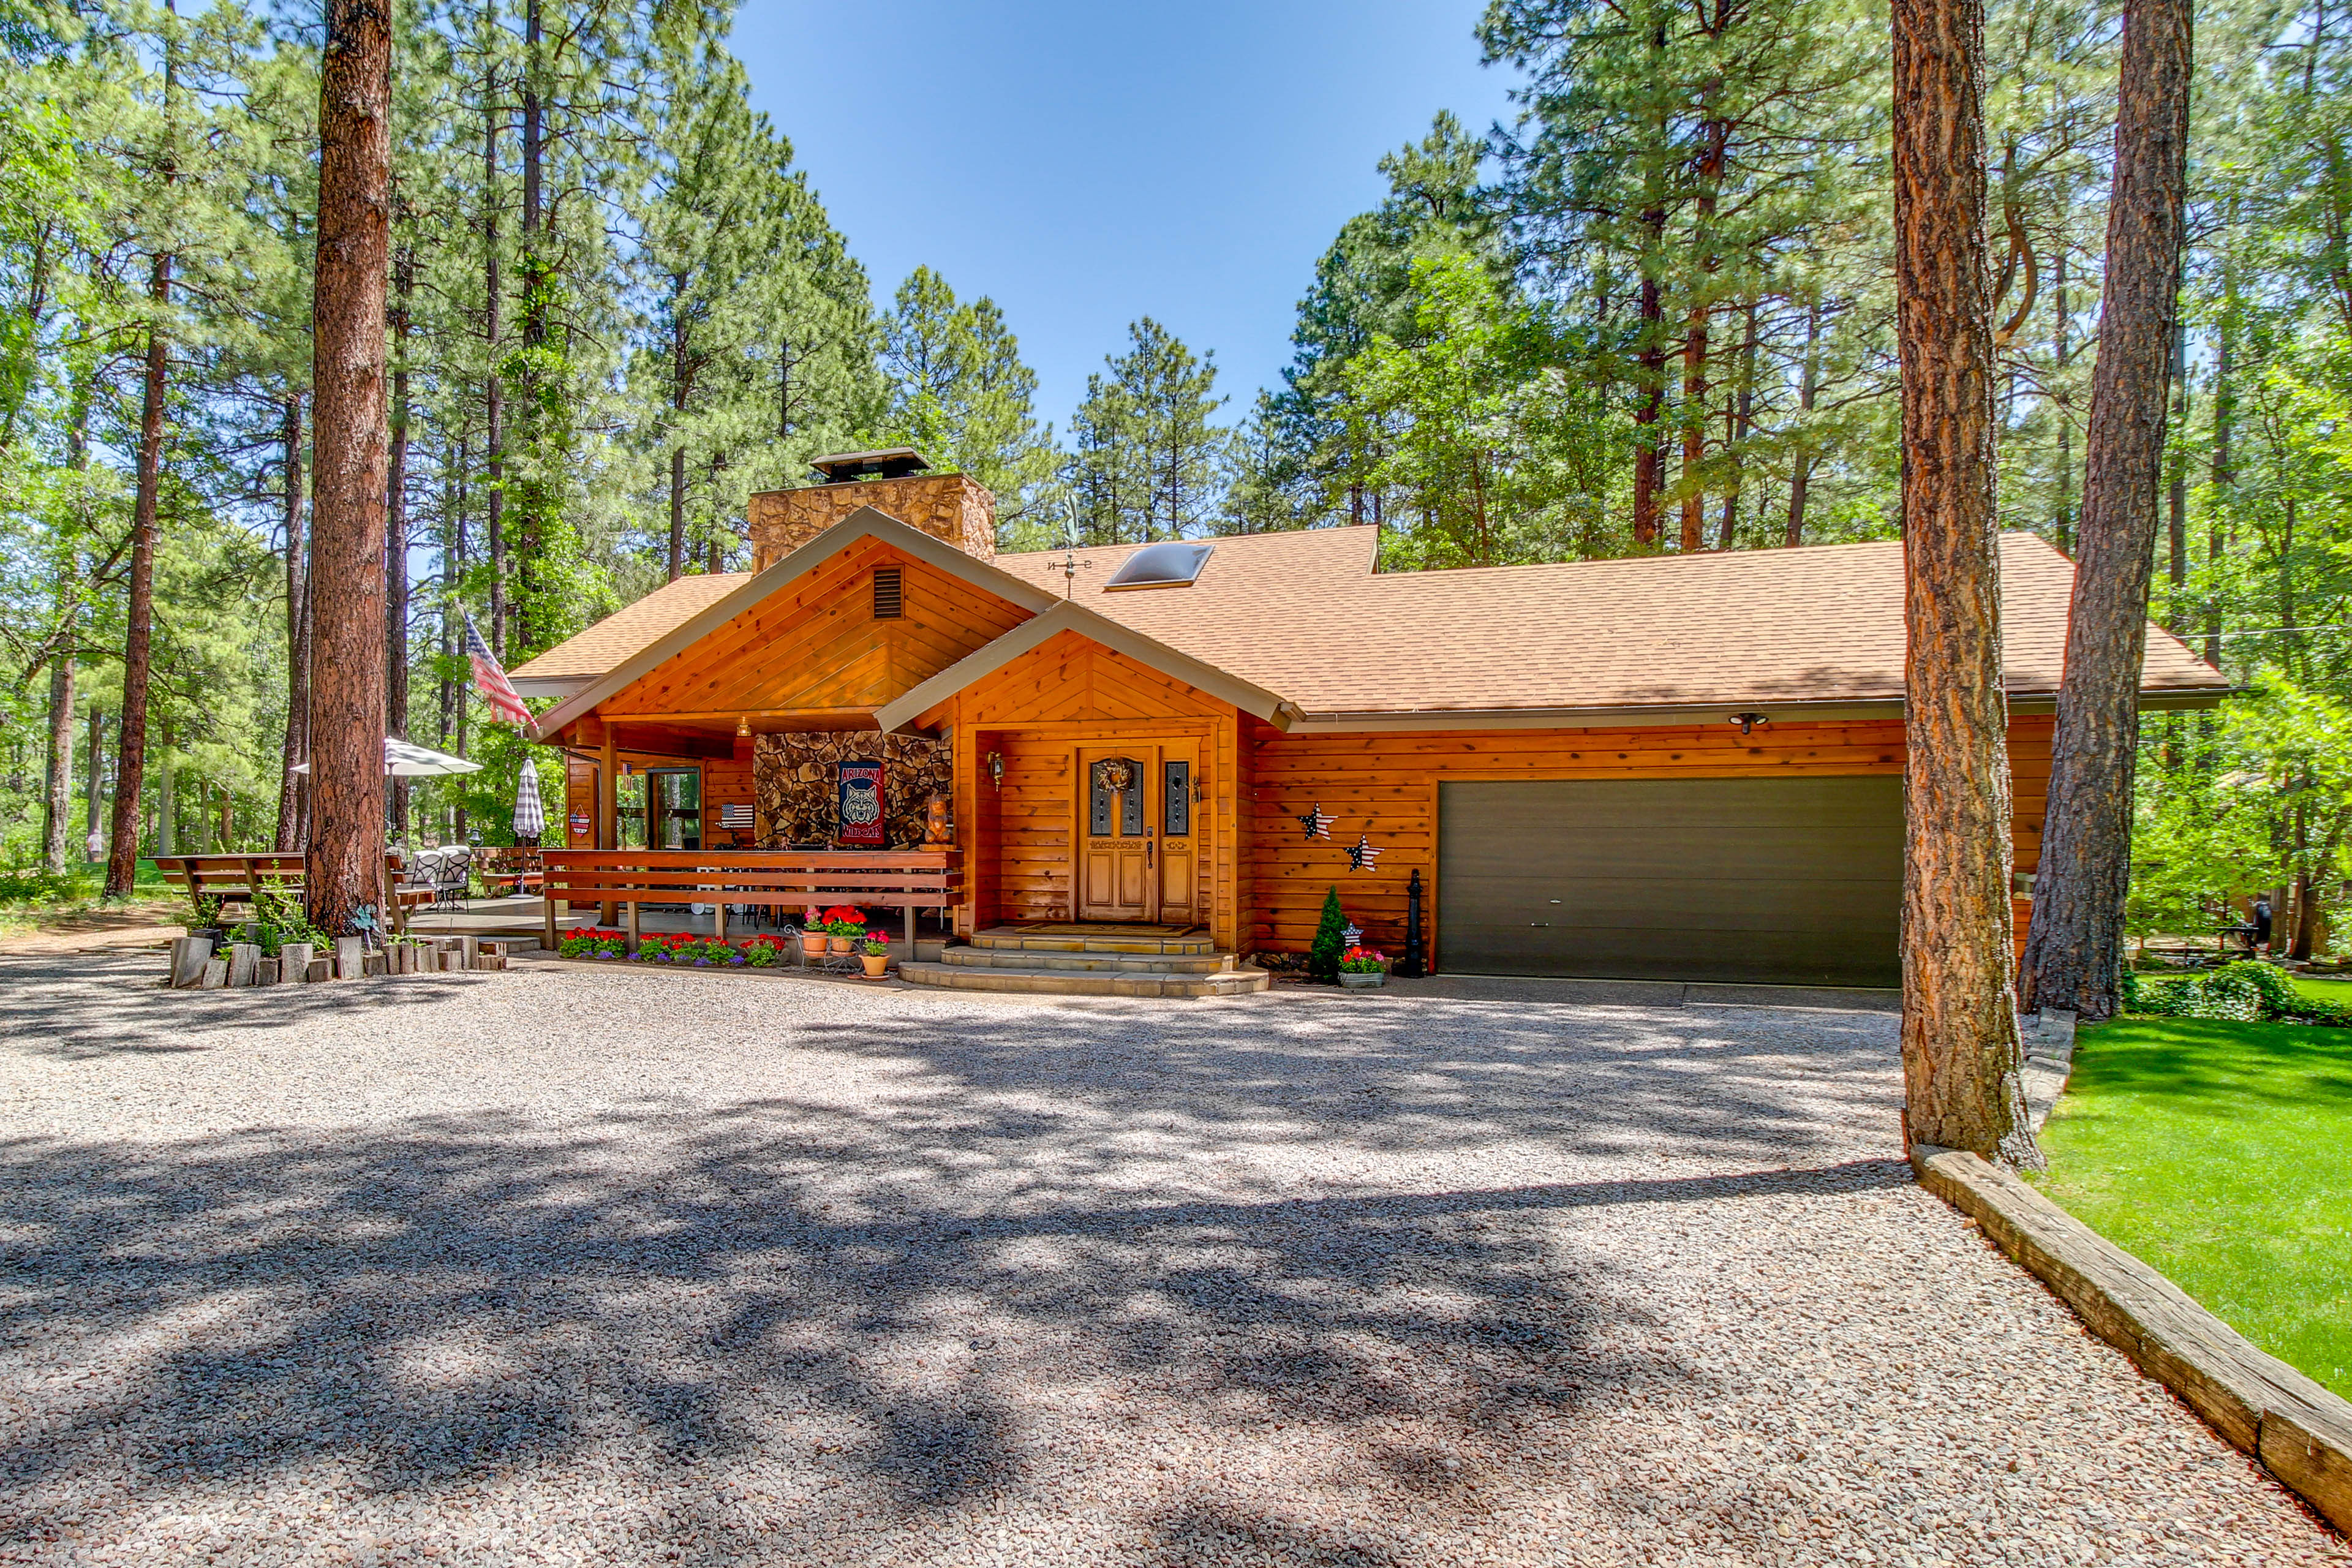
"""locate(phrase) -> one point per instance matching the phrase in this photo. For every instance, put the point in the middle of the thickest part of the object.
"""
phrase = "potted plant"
(842, 928)
(812, 934)
(874, 952)
(1362, 968)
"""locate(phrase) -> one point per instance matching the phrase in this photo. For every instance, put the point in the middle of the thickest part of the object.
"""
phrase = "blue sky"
(1089, 164)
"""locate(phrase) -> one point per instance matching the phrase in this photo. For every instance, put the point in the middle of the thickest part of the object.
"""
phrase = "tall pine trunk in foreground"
(344, 859)
(2073, 952)
(1961, 1056)
(139, 611)
(293, 788)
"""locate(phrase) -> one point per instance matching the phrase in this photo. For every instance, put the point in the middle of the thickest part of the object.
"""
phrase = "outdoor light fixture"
(1747, 721)
(996, 769)
(742, 726)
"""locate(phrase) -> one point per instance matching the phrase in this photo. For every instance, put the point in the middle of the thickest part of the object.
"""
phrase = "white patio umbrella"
(530, 815)
(403, 761)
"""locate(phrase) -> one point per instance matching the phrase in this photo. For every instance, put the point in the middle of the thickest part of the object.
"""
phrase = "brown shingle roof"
(624, 632)
(1304, 614)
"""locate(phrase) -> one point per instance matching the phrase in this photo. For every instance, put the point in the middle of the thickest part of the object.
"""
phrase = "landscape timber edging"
(2300, 1432)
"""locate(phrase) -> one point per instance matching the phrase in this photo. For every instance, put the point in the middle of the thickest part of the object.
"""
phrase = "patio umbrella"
(530, 815)
(403, 761)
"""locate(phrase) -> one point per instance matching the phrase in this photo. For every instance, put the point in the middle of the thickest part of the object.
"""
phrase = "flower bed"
(684, 949)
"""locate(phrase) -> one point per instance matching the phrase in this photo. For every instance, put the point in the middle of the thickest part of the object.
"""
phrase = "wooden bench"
(907, 880)
(214, 881)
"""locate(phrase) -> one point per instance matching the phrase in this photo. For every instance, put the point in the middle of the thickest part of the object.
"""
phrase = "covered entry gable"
(835, 631)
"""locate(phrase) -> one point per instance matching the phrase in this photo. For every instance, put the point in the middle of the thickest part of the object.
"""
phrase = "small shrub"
(1323, 957)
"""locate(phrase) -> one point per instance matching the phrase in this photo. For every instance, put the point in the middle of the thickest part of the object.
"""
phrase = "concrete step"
(1109, 963)
(1093, 939)
(1084, 982)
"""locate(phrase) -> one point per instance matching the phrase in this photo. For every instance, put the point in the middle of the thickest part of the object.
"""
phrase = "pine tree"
(1323, 954)
(960, 395)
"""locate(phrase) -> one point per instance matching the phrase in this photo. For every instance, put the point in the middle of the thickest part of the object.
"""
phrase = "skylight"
(1170, 565)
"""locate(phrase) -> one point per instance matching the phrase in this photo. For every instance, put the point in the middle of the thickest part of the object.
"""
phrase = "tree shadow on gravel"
(48, 998)
(454, 1298)
(968, 1236)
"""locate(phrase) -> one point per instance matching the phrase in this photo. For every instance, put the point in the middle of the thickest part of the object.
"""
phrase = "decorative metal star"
(1316, 825)
(1361, 854)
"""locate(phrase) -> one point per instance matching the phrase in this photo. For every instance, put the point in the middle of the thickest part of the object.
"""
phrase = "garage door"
(1788, 881)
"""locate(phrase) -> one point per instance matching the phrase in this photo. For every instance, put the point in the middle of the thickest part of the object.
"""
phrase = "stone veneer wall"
(796, 790)
(950, 507)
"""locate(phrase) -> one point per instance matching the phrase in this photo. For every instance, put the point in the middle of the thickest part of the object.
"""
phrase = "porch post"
(608, 816)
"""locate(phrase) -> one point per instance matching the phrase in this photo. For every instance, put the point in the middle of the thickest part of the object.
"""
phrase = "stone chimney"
(949, 506)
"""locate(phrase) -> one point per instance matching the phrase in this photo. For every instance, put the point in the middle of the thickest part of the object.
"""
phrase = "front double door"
(1136, 856)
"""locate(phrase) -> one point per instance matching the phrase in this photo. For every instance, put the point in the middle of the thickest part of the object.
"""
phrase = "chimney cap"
(889, 463)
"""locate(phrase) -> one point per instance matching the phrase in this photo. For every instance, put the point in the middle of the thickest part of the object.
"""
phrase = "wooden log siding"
(1385, 784)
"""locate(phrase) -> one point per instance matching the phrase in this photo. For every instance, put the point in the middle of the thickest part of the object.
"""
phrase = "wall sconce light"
(1747, 721)
(1200, 786)
(742, 726)
(995, 765)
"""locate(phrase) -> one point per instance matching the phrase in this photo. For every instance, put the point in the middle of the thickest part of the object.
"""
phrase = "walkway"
(585, 1266)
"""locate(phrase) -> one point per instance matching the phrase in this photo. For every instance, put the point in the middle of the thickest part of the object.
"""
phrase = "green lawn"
(2220, 1154)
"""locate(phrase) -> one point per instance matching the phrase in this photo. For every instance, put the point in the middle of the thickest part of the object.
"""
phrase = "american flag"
(491, 681)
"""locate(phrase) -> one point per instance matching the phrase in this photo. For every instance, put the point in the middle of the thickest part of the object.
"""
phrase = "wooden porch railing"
(907, 879)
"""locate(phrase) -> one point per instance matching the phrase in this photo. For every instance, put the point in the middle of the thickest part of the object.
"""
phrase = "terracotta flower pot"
(875, 962)
(840, 943)
(813, 944)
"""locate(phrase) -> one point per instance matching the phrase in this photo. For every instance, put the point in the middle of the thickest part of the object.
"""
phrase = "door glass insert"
(1120, 780)
(1176, 808)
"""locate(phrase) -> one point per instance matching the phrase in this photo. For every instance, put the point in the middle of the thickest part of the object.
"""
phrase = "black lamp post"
(1411, 968)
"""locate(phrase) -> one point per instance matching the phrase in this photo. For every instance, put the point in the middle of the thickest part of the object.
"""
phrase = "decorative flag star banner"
(491, 681)
(1361, 854)
(1316, 825)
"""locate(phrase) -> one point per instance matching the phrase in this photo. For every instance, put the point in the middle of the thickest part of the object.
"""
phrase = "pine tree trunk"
(93, 783)
(2225, 409)
(494, 448)
(293, 788)
(1961, 1056)
(167, 803)
(1809, 387)
(56, 794)
(2064, 523)
(344, 858)
(2175, 504)
(677, 514)
(2074, 954)
(139, 612)
(395, 537)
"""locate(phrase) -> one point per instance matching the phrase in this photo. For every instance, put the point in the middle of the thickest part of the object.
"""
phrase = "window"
(889, 593)
(1167, 565)
(1176, 801)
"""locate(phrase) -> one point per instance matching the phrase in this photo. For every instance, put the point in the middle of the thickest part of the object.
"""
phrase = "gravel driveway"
(568, 1265)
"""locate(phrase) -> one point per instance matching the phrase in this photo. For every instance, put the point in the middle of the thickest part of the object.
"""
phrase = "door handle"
(1149, 842)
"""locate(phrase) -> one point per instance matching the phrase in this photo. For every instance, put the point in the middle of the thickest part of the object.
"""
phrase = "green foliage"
(2215, 1150)
(1330, 943)
(960, 396)
(1148, 462)
(2247, 991)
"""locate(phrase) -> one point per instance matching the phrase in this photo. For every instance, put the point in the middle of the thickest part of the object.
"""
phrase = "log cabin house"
(1678, 767)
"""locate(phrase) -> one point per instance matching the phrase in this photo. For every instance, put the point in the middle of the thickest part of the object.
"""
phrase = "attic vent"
(1169, 565)
(889, 593)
